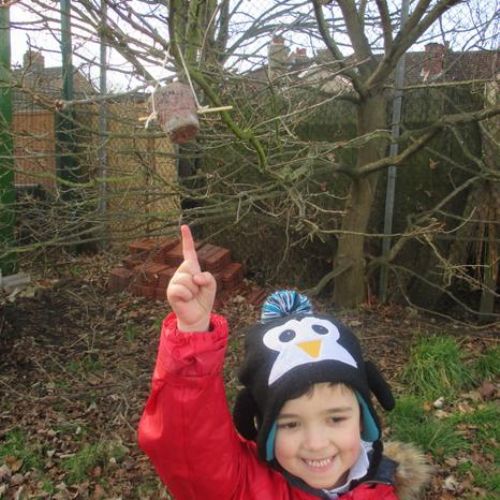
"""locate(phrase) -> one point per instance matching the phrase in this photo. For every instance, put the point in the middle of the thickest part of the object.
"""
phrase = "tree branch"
(427, 135)
(357, 35)
(385, 20)
(408, 34)
(334, 50)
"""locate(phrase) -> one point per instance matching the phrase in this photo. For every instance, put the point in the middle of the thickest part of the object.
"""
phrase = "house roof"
(455, 66)
(436, 63)
(36, 85)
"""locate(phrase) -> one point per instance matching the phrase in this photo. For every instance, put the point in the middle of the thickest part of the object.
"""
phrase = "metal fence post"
(7, 189)
(66, 163)
(391, 173)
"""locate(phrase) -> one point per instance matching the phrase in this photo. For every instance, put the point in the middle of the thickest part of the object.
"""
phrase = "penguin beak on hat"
(311, 347)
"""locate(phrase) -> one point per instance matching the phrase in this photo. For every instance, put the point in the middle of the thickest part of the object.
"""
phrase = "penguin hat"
(288, 351)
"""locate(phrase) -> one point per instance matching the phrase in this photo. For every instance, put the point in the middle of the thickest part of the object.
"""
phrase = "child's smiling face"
(318, 438)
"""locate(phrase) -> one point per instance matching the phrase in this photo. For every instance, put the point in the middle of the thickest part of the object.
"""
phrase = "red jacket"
(187, 430)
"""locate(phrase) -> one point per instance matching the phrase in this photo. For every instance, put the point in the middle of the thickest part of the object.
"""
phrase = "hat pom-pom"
(283, 303)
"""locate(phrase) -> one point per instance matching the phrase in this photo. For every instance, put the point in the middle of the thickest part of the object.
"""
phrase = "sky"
(21, 38)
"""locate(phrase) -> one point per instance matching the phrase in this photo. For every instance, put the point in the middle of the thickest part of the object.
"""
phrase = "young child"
(303, 425)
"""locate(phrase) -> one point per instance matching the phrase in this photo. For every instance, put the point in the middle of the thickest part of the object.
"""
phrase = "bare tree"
(268, 168)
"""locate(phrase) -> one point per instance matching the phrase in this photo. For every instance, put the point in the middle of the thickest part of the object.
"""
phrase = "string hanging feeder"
(176, 108)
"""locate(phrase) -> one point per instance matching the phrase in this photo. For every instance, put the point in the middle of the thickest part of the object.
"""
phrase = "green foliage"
(483, 423)
(487, 479)
(411, 423)
(152, 488)
(483, 477)
(16, 444)
(91, 455)
(436, 368)
(79, 465)
(488, 365)
(88, 364)
(48, 486)
(131, 332)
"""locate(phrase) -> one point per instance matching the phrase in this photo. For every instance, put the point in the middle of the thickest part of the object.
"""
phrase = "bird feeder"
(176, 112)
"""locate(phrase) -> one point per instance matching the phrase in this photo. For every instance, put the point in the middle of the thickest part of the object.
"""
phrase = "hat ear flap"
(379, 386)
(244, 413)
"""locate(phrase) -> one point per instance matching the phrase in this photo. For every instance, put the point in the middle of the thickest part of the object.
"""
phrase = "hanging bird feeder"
(176, 108)
(176, 112)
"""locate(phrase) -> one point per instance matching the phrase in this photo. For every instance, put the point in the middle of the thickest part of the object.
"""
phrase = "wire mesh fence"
(299, 154)
(124, 188)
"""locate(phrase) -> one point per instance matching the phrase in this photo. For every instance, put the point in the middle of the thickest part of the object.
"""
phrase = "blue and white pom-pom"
(283, 303)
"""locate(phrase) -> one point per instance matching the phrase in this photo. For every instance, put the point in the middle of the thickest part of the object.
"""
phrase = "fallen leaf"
(487, 390)
(450, 483)
(16, 479)
(5, 473)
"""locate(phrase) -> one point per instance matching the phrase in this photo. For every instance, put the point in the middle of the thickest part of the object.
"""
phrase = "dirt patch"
(75, 366)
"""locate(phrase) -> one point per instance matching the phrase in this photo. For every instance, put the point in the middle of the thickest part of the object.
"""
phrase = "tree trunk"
(349, 288)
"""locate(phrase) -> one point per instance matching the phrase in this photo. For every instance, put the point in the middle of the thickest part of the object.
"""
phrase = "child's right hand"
(191, 293)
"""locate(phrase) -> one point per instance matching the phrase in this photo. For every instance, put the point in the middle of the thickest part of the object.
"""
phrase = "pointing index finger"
(188, 248)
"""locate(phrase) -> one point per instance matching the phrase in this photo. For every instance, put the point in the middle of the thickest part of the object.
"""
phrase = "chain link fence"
(282, 165)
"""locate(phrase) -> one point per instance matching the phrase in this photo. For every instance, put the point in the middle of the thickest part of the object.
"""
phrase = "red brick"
(232, 273)
(218, 259)
(140, 246)
(221, 300)
(174, 257)
(161, 294)
(218, 279)
(159, 254)
(149, 273)
(256, 296)
(119, 279)
(132, 261)
(148, 292)
(203, 253)
(165, 276)
(236, 288)
(153, 270)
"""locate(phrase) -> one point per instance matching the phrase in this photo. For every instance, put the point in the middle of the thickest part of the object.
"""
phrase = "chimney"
(433, 60)
(300, 56)
(33, 61)
(277, 56)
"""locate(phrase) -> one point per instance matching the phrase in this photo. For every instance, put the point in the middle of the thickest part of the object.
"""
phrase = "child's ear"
(245, 412)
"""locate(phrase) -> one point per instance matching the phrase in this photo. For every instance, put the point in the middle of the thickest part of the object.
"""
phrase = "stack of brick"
(147, 270)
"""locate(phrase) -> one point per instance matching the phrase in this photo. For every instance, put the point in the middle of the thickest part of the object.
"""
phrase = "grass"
(131, 332)
(15, 444)
(48, 486)
(90, 456)
(488, 365)
(483, 424)
(465, 431)
(410, 422)
(436, 368)
(152, 488)
(84, 365)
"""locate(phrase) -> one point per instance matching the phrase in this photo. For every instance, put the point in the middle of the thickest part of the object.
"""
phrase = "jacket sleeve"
(186, 428)
(371, 491)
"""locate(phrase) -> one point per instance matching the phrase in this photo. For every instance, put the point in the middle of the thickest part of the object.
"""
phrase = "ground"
(75, 366)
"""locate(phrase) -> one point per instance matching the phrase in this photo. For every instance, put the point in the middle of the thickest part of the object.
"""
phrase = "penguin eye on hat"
(320, 329)
(287, 335)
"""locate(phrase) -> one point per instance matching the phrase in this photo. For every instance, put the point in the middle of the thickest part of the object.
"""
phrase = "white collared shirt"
(357, 471)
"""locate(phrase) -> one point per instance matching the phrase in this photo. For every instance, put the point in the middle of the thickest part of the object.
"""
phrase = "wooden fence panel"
(34, 148)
